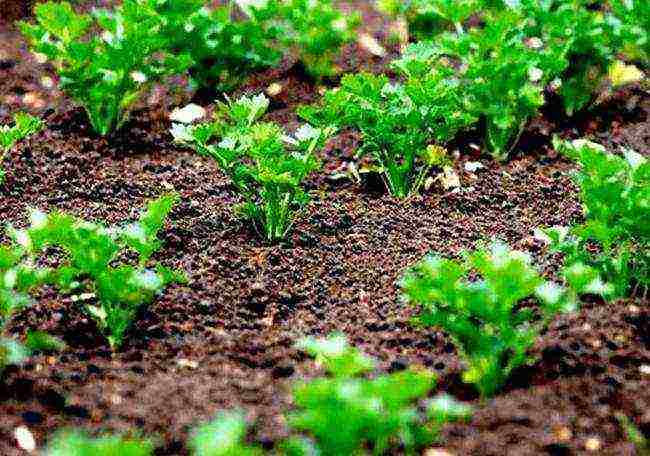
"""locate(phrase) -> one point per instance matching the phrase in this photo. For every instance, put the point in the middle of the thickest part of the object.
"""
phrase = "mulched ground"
(247, 303)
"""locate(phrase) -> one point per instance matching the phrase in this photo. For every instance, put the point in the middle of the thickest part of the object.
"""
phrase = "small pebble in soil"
(274, 89)
(370, 44)
(472, 167)
(47, 82)
(592, 444)
(25, 439)
(563, 433)
(187, 114)
(437, 452)
(187, 363)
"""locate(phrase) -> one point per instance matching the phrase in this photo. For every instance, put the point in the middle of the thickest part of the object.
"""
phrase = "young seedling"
(379, 413)
(74, 443)
(485, 317)
(226, 45)
(397, 122)
(505, 103)
(24, 126)
(582, 41)
(316, 30)
(266, 166)
(105, 60)
(614, 239)
(224, 436)
(16, 281)
(229, 42)
(91, 263)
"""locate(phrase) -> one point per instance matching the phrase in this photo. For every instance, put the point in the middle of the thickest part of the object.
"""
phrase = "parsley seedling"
(614, 239)
(91, 264)
(24, 126)
(485, 317)
(107, 59)
(266, 166)
(398, 121)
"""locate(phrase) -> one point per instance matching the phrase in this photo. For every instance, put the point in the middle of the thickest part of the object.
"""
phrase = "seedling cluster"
(107, 59)
(615, 193)
(343, 413)
(485, 318)
(115, 290)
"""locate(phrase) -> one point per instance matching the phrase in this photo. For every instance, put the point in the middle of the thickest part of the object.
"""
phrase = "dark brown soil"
(248, 303)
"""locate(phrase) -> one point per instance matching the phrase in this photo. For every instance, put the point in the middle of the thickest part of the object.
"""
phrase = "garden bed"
(226, 339)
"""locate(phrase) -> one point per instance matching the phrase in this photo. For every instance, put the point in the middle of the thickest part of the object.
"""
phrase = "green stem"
(419, 181)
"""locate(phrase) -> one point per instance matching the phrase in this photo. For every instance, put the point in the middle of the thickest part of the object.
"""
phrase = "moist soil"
(226, 339)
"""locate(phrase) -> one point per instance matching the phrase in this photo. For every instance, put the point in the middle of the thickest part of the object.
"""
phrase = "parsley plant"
(107, 59)
(614, 238)
(485, 317)
(266, 166)
(397, 122)
(91, 263)
(24, 126)
(232, 40)
(346, 412)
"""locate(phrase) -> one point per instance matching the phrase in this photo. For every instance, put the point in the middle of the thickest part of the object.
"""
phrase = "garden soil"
(226, 340)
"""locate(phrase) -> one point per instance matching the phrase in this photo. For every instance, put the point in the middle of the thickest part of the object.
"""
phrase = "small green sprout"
(24, 126)
(615, 192)
(224, 436)
(74, 443)
(484, 317)
(346, 412)
(266, 166)
(91, 250)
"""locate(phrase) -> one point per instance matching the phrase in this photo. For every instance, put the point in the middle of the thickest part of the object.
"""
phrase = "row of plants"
(108, 58)
(445, 86)
(492, 303)
(348, 411)
(485, 66)
(607, 254)
(267, 165)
